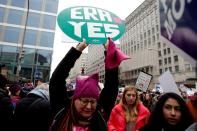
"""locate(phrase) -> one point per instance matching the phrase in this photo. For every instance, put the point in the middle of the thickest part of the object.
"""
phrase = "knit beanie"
(14, 89)
(86, 87)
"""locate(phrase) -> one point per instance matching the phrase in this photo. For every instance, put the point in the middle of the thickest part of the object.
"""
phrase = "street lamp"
(22, 51)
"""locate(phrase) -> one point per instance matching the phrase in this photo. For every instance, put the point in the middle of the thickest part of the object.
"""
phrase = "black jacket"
(59, 99)
(32, 113)
(6, 111)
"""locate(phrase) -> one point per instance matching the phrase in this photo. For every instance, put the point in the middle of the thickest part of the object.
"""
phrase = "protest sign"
(178, 20)
(168, 84)
(143, 81)
(91, 23)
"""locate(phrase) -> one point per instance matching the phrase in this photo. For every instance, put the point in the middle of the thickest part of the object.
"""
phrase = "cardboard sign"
(178, 20)
(91, 23)
(143, 81)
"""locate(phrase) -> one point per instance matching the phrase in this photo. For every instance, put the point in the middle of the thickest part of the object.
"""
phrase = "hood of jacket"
(40, 92)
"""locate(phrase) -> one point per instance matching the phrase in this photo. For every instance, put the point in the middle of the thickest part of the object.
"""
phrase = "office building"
(27, 29)
(142, 42)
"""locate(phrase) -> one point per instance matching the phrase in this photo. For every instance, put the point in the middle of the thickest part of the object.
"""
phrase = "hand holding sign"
(93, 24)
(82, 45)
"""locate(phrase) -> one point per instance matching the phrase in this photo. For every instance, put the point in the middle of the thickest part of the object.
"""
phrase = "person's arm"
(110, 91)
(58, 96)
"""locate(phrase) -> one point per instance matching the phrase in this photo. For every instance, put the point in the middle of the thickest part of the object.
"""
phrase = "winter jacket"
(192, 127)
(6, 111)
(117, 120)
(32, 112)
(60, 100)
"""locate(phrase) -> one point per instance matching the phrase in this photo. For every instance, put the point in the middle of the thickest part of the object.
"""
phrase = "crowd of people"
(51, 107)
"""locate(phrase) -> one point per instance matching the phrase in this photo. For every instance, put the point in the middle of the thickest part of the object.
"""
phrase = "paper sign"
(168, 84)
(143, 81)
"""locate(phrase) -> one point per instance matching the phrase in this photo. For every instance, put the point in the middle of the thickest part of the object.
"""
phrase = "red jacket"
(117, 119)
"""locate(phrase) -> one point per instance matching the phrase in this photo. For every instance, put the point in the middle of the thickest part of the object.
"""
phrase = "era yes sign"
(93, 24)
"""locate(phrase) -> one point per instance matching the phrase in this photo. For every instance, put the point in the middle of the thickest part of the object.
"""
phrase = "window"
(18, 3)
(33, 19)
(149, 41)
(4, 2)
(153, 39)
(29, 56)
(49, 22)
(35, 4)
(30, 37)
(12, 34)
(157, 27)
(164, 51)
(168, 50)
(1, 30)
(2, 12)
(160, 62)
(165, 60)
(135, 48)
(177, 68)
(15, 17)
(176, 58)
(47, 39)
(145, 43)
(187, 67)
(8, 54)
(157, 36)
(159, 53)
(51, 6)
(44, 57)
(170, 69)
(159, 45)
(153, 30)
(169, 60)
(148, 32)
(160, 71)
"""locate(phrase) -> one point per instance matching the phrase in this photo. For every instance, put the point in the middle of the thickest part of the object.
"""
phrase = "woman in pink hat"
(88, 109)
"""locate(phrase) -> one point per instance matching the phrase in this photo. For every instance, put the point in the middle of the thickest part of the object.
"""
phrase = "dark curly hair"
(157, 120)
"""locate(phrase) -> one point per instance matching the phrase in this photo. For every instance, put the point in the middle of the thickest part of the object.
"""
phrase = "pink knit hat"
(114, 56)
(87, 86)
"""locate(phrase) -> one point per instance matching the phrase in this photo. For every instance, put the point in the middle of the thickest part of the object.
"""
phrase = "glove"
(114, 56)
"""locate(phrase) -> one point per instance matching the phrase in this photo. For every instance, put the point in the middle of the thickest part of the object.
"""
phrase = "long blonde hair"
(130, 116)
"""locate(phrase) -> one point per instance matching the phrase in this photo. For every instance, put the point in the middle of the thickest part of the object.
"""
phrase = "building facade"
(95, 62)
(142, 42)
(79, 68)
(27, 29)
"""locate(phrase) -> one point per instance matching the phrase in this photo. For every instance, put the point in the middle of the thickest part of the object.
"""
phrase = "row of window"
(176, 68)
(9, 54)
(34, 19)
(32, 37)
(168, 60)
(49, 5)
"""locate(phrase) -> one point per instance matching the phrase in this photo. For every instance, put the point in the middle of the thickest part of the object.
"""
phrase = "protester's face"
(147, 96)
(130, 97)
(85, 106)
(172, 111)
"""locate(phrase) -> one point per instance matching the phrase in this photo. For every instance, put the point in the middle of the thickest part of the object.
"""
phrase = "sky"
(122, 8)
